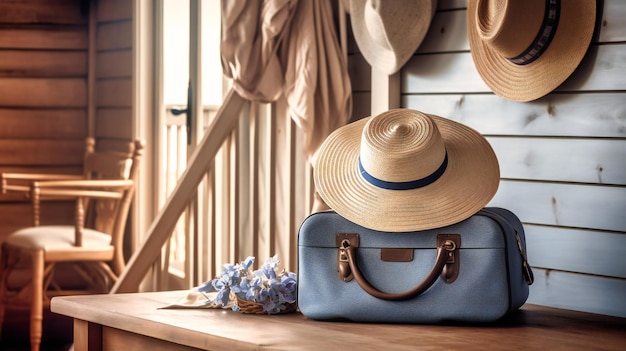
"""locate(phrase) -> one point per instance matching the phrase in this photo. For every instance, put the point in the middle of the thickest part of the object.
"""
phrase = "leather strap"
(445, 254)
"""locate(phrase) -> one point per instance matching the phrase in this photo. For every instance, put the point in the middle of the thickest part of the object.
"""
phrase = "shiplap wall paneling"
(603, 113)
(113, 119)
(43, 98)
(562, 157)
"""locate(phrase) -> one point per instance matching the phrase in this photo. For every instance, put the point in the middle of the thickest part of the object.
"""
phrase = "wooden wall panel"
(114, 35)
(43, 11)
(602, 69)
(446, 33)
(38, 63)
(114, 64)
(581, 115)
(43, 38)
(32, 152)
(576, 250)
(52, 212)
(114, 93)
(111, 113)
(114, 10)
(581, 292)
(43, 92)
(599, 161)
(43, 97)
(612, 25)
(564, 204)
(51, 123)
(114, 71)
(562, 157)
(114, 123)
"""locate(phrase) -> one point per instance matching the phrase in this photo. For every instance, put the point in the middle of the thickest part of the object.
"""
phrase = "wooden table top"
(531, 328)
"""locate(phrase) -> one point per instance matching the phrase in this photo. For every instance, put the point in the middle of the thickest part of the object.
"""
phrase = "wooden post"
(385, 91)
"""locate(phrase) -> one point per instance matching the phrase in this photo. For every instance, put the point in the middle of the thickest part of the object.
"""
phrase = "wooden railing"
(255, 188)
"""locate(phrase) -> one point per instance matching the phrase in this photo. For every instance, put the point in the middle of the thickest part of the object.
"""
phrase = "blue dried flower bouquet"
(260, 291)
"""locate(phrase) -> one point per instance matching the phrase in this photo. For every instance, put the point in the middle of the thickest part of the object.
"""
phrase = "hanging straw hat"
(389, 32)
(404, 170)
(525, 49)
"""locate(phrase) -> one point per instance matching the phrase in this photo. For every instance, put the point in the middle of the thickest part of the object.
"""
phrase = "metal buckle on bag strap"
(343, 241)
(450, 242)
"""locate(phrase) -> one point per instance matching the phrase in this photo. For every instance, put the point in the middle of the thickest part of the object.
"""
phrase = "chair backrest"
(109, 216)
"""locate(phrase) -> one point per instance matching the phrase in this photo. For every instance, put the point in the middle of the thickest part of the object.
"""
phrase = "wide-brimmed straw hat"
(404, 170)
(389, 32)
(525, 49)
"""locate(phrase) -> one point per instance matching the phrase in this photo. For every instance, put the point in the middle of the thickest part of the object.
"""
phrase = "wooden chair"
(93, 245)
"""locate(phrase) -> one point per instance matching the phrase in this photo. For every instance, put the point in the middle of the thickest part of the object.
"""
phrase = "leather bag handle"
(446, 248)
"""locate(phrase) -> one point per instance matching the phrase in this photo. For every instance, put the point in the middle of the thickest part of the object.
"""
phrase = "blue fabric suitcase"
(472, 271)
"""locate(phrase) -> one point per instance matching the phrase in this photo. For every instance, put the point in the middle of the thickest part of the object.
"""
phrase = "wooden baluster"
(34, 195)
(80, 220)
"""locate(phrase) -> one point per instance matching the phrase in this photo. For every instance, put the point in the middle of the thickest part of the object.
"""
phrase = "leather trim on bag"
(396, 255)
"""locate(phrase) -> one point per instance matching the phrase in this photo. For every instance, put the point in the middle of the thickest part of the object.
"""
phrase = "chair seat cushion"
(59, 240)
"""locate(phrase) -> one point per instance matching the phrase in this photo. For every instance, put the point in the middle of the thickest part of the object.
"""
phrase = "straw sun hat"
(525, 49)
(404, 170)
(388, 32)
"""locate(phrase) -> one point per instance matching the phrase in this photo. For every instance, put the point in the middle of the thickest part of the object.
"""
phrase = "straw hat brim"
(538, 78)
(469, 182)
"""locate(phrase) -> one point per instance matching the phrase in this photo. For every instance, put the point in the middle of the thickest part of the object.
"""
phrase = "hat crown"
(382, 19)
(401, 146)
(375, 25)
(388, 32)
(510, 26)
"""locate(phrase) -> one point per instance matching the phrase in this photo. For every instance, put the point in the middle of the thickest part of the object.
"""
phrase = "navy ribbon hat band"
(546, 33)
(409, 185)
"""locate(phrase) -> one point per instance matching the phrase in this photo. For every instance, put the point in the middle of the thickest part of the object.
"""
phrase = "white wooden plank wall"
(562, 157)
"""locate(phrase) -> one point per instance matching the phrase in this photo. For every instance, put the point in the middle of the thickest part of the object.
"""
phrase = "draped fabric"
(272, 48)
(252, 31)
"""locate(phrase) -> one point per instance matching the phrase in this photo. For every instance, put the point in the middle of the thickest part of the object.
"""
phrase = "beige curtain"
(287, 47)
